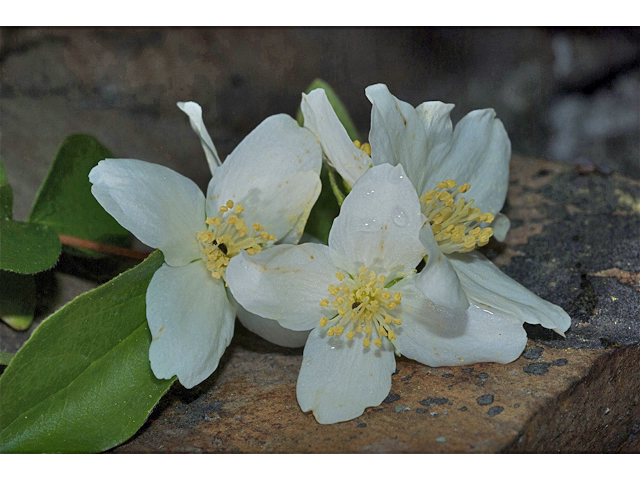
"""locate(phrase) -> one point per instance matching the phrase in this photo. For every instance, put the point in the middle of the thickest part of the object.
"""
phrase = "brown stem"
(101, 247)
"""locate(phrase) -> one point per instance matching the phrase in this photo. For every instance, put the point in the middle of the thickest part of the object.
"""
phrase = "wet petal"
(339, 378)
(194, 111)
(319, 117)
(285, 283)
(191, 322)
(501, 225)
(271, 330)
(479, 155)
(397, 135)
(378, 225)
(486, 285)
(159, 206)
(436, 121)
(437, 339)
(274, 174)
(438, 280)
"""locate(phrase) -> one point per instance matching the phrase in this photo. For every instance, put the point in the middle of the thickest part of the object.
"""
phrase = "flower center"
(365, 147)
(227, 236)
(363, 304)
(455, 223)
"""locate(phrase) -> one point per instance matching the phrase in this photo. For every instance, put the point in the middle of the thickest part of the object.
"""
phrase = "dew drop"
(400, 219)
(367, 225)
(395, 177)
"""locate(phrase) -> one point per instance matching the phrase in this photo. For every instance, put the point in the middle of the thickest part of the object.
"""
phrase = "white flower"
(260, 195)
(364, 300)
(442, 163)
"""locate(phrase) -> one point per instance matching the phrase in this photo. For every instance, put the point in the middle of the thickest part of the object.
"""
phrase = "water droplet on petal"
(400, 218)
(369, 225)
(395, 177)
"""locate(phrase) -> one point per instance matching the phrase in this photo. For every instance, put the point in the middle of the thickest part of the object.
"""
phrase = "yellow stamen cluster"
(455, 223)
(226, 236)
(363, 304)
(365, 147)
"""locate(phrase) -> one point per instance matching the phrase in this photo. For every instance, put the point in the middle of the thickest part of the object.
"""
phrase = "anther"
(454, 221)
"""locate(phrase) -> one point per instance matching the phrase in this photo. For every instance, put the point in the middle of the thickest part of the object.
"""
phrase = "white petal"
(271, 330)
(191, 322)
(486, 285)
(339, 378)
(319, 117)
(274, 174)
(501, 225)
(159, 206)
(397, 135)
(296, 225)
(378, 225)
(194, 111)
(480, 156)
(436, 120)
(438, 280)
(284, 282)
(476, 335)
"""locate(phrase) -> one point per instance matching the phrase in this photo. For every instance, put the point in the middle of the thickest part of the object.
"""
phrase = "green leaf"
(338, 107)
(5, 358)
(27, 247)
(65, 203)
(17, 292)
(82, 382)
(6, 195)
(3, 175)
(17, 299)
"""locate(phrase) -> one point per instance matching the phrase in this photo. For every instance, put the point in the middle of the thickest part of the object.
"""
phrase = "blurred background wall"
(566, 94)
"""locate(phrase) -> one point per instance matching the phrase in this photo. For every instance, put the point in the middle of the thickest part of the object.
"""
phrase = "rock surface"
(574, 241)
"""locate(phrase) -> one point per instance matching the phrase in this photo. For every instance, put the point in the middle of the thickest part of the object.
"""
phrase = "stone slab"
(574, 242)
(249, 406)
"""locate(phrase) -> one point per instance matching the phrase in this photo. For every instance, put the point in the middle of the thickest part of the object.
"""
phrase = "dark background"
(566, 94)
